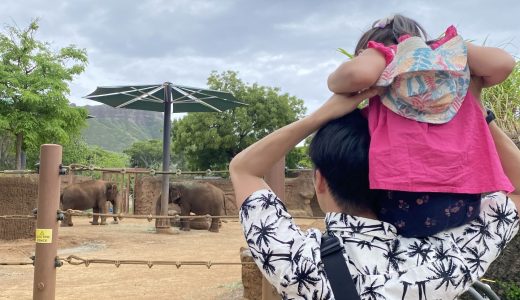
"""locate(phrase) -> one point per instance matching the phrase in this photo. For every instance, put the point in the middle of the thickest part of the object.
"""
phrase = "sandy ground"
(132, 239)
(135, 240)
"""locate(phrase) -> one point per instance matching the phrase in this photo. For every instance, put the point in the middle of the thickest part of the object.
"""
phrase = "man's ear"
(320, 184)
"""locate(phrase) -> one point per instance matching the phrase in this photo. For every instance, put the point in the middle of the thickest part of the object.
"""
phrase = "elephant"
(90, 194)
(199, 198)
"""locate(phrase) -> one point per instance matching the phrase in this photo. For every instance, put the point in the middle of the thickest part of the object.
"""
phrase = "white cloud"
(288, 44)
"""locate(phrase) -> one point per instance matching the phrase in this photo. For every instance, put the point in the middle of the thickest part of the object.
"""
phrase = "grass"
(504, 100)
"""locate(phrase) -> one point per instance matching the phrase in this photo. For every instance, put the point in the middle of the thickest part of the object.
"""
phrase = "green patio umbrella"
(161, 98)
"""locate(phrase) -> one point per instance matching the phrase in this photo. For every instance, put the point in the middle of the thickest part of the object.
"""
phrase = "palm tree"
(268, 199)
(444, 273)
(479, 228)
(265, 259)
(267, 232)
(362, 243)
(421, 250)
(476, 261)
(393, 255)
(268, 258)
(304, 277)
(244, 210)
(466, 276)
(372, 291)
(405, 287)
(422, 289)
(321, 296)
(503, 216)
(441, 254)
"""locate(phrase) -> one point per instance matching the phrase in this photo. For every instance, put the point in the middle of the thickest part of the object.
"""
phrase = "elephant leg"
(115, 210)
(185, 223)
(104, 210)
(95, 218)
(214, 225)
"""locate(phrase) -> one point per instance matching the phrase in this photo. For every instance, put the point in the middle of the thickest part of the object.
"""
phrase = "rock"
(251, 276)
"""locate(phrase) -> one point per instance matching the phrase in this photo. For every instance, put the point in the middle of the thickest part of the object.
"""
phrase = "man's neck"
(332, 206)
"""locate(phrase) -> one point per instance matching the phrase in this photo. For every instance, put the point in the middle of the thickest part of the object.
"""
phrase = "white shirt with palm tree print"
(383, 265)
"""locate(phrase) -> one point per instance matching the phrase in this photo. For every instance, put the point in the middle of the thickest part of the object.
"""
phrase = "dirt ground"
(134, 240)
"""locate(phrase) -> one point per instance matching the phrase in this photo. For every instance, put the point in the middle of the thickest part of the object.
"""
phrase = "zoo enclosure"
(46, 260)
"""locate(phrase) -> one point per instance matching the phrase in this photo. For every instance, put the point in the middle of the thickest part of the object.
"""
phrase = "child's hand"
(341, 104)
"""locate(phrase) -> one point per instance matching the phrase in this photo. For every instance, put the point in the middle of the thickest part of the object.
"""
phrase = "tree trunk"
(19, 142)
(23, 159)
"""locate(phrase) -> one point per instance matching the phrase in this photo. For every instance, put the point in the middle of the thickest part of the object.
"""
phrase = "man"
(383, 265)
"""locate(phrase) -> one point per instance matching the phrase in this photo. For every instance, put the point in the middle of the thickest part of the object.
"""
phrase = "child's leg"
(416, 214)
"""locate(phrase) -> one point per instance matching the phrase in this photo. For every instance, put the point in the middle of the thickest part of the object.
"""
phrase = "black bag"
(336, 269)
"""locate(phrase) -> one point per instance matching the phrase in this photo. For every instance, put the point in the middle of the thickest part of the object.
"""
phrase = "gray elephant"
(92, 194)
(198, 198)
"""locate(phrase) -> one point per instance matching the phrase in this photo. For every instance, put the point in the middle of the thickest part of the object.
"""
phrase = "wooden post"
(276, 180)
(124, 205)
(44, 286)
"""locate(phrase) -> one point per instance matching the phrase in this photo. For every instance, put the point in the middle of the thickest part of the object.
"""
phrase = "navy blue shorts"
(417, 214)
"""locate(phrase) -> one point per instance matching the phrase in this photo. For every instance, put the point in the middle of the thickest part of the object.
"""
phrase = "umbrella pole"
(163, 225)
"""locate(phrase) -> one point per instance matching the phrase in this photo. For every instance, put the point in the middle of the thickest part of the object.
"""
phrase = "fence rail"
(79, 213)
(78, 261)
(152, 172)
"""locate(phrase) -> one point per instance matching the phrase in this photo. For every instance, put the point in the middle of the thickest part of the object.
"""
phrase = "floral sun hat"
(426, 83)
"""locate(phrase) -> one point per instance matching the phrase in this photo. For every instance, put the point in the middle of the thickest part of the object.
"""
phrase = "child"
(431, 149)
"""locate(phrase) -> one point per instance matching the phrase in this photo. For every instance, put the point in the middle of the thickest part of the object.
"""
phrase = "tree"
(299, 156)
(102, 158)
(145, 154)
(210, 140)
(6, 151)
(148, 154)
(34, 80)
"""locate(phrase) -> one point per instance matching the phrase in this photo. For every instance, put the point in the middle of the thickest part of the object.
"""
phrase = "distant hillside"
(115, 129)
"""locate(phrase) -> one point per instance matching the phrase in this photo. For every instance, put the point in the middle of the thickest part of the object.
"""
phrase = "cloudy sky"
(289, 44)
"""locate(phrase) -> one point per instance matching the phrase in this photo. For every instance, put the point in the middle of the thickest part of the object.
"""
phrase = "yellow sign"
(43, 236)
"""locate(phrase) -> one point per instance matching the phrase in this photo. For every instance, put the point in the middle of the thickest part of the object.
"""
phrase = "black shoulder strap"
(336, 269)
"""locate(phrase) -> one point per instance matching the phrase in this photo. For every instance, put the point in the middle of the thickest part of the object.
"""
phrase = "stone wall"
(19, 196)
(299, 194)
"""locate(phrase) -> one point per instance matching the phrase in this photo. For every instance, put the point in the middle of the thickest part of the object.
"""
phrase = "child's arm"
(492, 64)
(510, 159)
(357, 74)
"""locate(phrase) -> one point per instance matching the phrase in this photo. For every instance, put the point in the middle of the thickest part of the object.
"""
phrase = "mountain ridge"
(115, 129)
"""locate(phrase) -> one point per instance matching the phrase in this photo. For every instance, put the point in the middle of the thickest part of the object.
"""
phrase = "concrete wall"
(299, 193)
(19, 196)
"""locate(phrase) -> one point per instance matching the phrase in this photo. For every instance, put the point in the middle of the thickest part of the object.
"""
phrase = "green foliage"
(510, 290)
(118, 130)
(102, 158)
(34, 80)
(299, 156)
(504, 100)
(145, 154)
(345, 52)
(210, 140)
(7, 151)
(77, 151)
(148, 154)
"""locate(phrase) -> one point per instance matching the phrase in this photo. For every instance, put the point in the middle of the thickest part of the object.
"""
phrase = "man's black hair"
(339, 150)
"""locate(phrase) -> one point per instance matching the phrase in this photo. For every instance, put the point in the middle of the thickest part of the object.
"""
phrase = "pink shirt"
(456, 157)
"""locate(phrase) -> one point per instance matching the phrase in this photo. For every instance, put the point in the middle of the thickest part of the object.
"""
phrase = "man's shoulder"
(484, 238)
